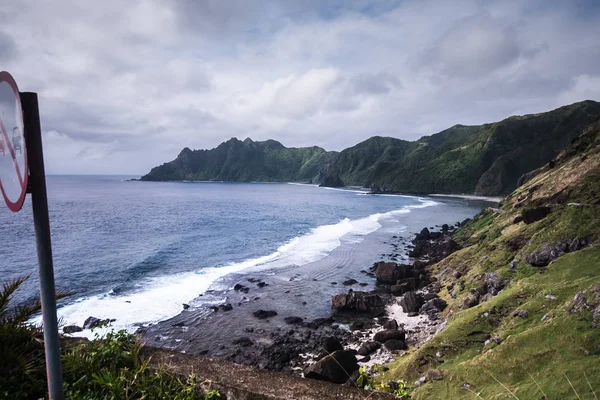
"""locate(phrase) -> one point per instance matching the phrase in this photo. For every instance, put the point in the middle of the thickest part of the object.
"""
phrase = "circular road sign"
(13, 153)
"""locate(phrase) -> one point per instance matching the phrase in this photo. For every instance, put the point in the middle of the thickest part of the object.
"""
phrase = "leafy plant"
(109, 367)
(367, 380)
(23, 368)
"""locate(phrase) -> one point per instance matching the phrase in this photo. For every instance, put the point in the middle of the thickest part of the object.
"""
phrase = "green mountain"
(485, 159)
(538, 337)
(246, 161)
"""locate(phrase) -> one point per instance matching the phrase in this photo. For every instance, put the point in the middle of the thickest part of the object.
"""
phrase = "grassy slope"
(563, 343)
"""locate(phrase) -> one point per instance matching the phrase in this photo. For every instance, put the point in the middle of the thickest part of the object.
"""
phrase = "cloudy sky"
(125, 85)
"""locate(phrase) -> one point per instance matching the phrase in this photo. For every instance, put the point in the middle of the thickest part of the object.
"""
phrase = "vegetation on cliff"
(246, 161)
(537, 337)
(485, 159)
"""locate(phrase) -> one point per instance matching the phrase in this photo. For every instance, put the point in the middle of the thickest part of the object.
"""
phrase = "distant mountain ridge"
(485, 159)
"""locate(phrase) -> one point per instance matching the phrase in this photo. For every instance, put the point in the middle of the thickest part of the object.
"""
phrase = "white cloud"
(128, 84)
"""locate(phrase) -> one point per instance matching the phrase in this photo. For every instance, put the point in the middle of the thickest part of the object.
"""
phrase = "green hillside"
(541, 333)
(246, 161)
(486, 159)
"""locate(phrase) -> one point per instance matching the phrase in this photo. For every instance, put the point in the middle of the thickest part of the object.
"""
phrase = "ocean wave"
(160, 298)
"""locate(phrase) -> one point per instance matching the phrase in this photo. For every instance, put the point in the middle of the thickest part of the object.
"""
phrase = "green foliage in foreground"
(105, 368)
(110, 368)
(367, 379)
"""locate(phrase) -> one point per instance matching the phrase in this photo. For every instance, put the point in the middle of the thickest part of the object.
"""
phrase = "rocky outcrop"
(93, 322)
(391, 272)
(411, 302)
(531, 215)
(550, 252)
(433, 306)
(384, 336)
(368, 348)
(329, 176)
(395, 345)
(331, 344)
(336, 368)
(72, 329)
(357, 304)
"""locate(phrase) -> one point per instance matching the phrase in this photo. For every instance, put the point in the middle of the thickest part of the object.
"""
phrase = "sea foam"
(160, 298)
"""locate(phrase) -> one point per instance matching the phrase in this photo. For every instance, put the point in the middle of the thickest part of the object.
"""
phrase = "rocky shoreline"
(395, 306)
(365, 327)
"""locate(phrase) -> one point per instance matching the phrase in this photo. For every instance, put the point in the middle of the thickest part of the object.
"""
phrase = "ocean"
(137, 251)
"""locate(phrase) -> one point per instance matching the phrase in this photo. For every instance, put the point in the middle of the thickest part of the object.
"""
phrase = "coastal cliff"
(523, 293)
(486, 159)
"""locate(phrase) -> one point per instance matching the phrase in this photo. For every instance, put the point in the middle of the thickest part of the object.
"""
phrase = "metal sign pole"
(41, 221)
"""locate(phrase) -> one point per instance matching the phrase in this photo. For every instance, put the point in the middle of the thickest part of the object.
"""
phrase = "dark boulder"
(72, 329)
(391, 272)
(470, 300)
(357, 303)
(433, 306)
(262, 314)
(350, 282)
(411, 302)
(293, 320)
(423, 235)
(368, 348)
(448, 247)
(186, 306)
(532, 215)
(493, 283)
(336, 368)
(226, 307)
(331, 344)
(243, 341)
(395, 345)
(384, 336)
(93, 322)
(391, 324)
(541, 258)
(520, 313)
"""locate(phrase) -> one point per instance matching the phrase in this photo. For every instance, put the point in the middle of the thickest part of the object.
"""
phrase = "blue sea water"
(136, 251)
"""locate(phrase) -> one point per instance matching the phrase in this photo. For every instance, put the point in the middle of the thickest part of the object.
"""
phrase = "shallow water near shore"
(137, 251)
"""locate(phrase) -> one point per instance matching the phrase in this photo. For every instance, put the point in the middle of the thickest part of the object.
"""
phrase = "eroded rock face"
(532, 215)
(550, 252)
(433, 306)
(493, 283)
(470, 300)
(391, 273)
(411, 302)
(336, 368)
(357, 303)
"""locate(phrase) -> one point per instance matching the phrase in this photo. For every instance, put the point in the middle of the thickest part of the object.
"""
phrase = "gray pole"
(41, 221)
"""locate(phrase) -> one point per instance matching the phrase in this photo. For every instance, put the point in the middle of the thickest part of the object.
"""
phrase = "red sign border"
(16, 206)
